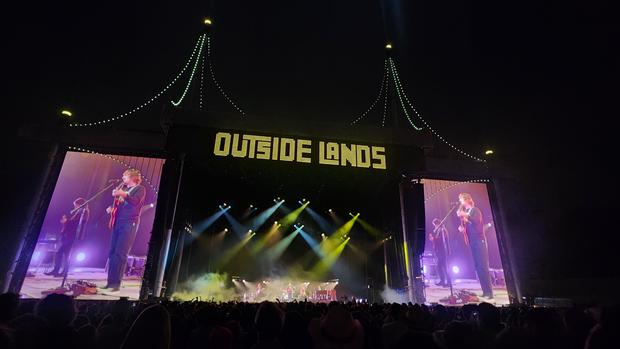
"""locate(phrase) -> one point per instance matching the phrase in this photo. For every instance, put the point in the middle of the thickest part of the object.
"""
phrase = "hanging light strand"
(217, 84)
(400, 97)
(191, 76)
(155, 97)
(400, 87)
(383, 83)
(118, 161)
(202, 74)
(454, 185)
(385, 98)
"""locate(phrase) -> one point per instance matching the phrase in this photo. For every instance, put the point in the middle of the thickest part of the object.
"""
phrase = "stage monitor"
(89, 238)
(462, 261)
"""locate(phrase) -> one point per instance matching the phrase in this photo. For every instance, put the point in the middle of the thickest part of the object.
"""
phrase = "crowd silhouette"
(59, 321)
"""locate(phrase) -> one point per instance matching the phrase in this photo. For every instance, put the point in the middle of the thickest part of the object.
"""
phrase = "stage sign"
(299, 150)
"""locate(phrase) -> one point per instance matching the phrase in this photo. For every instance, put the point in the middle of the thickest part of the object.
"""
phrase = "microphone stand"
(446, 247)
(94, 196)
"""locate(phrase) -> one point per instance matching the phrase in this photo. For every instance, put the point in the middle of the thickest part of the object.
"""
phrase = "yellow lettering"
(378, 153)
(332, 151)
(252, 139)
(275, 148)
(236, 151)
(287, 149)
(263, 148)
(304, 147)
(348, 155)
(322, 158)
(363, 156)
(222, 149)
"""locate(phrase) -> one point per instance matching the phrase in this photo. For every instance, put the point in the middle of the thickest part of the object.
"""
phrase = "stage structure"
(247, 208)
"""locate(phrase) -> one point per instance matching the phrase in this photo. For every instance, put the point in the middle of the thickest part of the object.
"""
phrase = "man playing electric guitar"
(472, 227)
(124, 221)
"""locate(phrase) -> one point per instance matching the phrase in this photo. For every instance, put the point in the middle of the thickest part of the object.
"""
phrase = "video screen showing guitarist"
(73, 227)
(124, 220)
(473, 229)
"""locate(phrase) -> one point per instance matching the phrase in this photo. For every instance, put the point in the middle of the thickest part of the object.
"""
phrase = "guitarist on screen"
(124, 220)
(472, 227)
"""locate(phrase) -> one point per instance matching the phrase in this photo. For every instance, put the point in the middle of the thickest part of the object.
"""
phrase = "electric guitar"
(462, 227)
(114, 208)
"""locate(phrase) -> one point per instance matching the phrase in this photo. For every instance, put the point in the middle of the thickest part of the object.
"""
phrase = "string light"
(191, 76)
(119, 161)
(385, 77)
(400, 98)
(398, 83)
(202, 74)
(454, 185)
(384, 107)
(149, 101)
(211, 70)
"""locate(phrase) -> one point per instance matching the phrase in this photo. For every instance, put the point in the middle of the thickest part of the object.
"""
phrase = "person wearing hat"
(336, 329)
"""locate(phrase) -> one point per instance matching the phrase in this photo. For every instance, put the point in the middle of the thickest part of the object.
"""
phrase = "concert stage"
(296, 207)
(439, 295)
(36, 284)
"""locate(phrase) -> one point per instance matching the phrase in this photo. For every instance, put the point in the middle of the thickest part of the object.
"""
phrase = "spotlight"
(207, 21)
(80, 256)
(455, 269)
(276, 222)
(66, 112)
(251, 206)
(330, 210)
(226, 230)
(488, 152)
(250, 231)
(152, 205)
(224, 204)
(388, 46)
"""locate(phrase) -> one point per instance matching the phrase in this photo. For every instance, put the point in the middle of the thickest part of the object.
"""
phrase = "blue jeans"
(123, 235)
(480, 253)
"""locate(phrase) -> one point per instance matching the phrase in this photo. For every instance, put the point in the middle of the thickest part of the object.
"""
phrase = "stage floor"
(435, 293)
(36, 283)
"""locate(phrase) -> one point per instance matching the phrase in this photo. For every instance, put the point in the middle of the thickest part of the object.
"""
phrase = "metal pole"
(163, 254)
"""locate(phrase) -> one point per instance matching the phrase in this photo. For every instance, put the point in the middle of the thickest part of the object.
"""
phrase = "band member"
(439, 237)
(472, 227)
(125, 218)
(73, 227)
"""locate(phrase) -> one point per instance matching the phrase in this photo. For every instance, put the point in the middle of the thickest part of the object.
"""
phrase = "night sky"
(535, 80)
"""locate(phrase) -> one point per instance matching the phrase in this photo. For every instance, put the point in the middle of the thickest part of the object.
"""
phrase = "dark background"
(535, 80)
